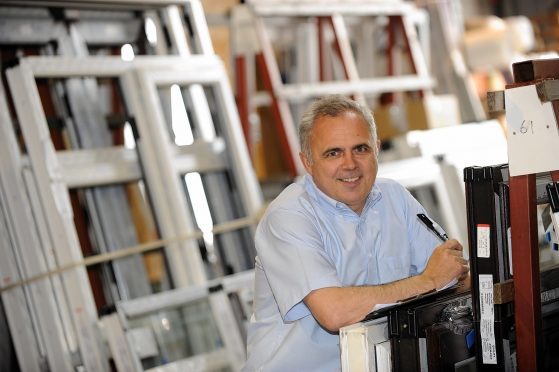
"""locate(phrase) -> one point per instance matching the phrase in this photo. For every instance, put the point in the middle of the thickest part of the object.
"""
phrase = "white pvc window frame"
(232, 354)
(51, 180)
(213, 75)
(31, 311)
(55, 205)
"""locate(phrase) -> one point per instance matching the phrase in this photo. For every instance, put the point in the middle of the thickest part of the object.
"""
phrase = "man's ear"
(306, 163)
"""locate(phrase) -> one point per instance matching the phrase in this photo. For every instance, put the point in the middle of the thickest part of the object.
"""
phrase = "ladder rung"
(387, 84)
(325, 8)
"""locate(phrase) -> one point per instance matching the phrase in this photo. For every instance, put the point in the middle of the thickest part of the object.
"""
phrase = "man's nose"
(349, 161)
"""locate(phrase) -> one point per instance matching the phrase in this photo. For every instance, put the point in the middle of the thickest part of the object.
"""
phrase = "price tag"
(532, 133)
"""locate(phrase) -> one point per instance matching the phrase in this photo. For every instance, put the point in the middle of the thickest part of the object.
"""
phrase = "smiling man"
(336, 243)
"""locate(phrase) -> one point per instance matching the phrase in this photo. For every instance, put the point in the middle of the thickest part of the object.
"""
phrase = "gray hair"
(333, 106)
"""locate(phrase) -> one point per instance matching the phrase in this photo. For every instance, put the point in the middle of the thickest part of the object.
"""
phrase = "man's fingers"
(455, 253)
(453, 244)
(459, 247)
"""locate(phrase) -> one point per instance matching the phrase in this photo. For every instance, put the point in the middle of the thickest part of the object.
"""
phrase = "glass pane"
(233, 249)
(110, 218)
(179, 333)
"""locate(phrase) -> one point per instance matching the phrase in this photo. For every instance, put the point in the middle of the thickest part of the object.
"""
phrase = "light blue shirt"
(306, 241)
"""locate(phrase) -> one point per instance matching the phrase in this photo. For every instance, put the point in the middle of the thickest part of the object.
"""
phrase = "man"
(336, 243)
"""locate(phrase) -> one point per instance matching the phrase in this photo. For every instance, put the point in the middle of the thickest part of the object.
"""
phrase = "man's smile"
(350, 180)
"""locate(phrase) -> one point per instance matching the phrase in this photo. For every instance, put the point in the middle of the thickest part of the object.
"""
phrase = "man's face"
(344, 159)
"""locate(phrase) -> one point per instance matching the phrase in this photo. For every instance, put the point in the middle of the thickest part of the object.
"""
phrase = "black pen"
(433, 226)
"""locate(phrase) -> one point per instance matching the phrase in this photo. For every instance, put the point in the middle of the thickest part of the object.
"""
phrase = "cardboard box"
(433, 111)
(268, 157)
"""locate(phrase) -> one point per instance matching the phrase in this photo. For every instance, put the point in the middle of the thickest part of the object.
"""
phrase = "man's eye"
(362, 149)
(332, 154)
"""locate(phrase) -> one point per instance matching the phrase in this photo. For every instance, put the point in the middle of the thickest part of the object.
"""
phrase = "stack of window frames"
(101, 155)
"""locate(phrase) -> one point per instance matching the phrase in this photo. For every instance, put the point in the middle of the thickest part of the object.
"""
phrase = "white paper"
(447, 285)
(532, 133)
(382, 306)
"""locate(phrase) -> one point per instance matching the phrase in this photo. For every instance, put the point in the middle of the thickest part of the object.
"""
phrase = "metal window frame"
(233, 354)
(71, 42)
(124, 168)
(55, 204)
(20, 31)
(175, 70)
(47, 164)
(213, 74)
(241, 167)
(21, 239)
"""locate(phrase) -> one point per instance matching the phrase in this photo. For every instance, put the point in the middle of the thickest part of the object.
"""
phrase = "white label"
(487, 321)
(531, 132)
(483, 242)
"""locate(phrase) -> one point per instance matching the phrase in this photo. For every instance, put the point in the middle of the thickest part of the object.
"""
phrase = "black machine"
(431, 332)
(487, 197)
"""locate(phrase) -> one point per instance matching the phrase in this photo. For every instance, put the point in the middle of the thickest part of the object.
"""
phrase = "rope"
(139, 248)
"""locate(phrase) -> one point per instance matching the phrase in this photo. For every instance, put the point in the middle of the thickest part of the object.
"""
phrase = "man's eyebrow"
(361, 145)
(340, 149)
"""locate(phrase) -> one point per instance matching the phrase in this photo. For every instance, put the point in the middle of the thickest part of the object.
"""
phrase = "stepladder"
(300, 51)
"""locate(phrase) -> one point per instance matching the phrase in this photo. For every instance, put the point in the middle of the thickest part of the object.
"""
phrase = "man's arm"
(336, 307)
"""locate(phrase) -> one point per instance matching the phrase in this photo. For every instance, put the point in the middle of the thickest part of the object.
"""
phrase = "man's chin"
(352, 202)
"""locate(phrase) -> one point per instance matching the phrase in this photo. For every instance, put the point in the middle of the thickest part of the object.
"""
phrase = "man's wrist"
(426, 283)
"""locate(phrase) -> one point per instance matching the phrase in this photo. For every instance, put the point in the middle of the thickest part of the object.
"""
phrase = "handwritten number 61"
(527, 125)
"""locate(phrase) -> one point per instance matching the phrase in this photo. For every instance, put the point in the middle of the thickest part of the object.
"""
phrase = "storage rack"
(523, 199)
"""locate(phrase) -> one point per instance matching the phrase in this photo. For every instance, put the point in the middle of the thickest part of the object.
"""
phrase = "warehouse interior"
(142, 140)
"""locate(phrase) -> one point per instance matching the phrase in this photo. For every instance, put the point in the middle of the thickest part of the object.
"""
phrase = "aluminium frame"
(124, 169)
(21, 240)
(217, 291)
(32, 67)
(242, 172)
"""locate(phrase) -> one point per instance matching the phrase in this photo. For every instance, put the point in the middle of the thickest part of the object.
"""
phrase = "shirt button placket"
(371, 234)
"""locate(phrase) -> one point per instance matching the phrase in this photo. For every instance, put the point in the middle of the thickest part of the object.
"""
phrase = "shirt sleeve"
(292, 254)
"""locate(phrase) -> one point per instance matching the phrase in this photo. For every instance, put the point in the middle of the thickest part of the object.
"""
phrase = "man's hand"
(446, 263)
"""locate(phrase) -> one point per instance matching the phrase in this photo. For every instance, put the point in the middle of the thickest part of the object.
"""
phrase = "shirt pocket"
(394, 268)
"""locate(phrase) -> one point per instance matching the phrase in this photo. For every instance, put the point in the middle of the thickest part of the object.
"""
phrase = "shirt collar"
(327, 201)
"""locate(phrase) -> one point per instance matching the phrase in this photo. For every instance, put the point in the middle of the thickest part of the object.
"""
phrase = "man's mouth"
(352, 179)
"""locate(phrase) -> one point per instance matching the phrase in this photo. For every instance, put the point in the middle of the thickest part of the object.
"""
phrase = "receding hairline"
(332, 106)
